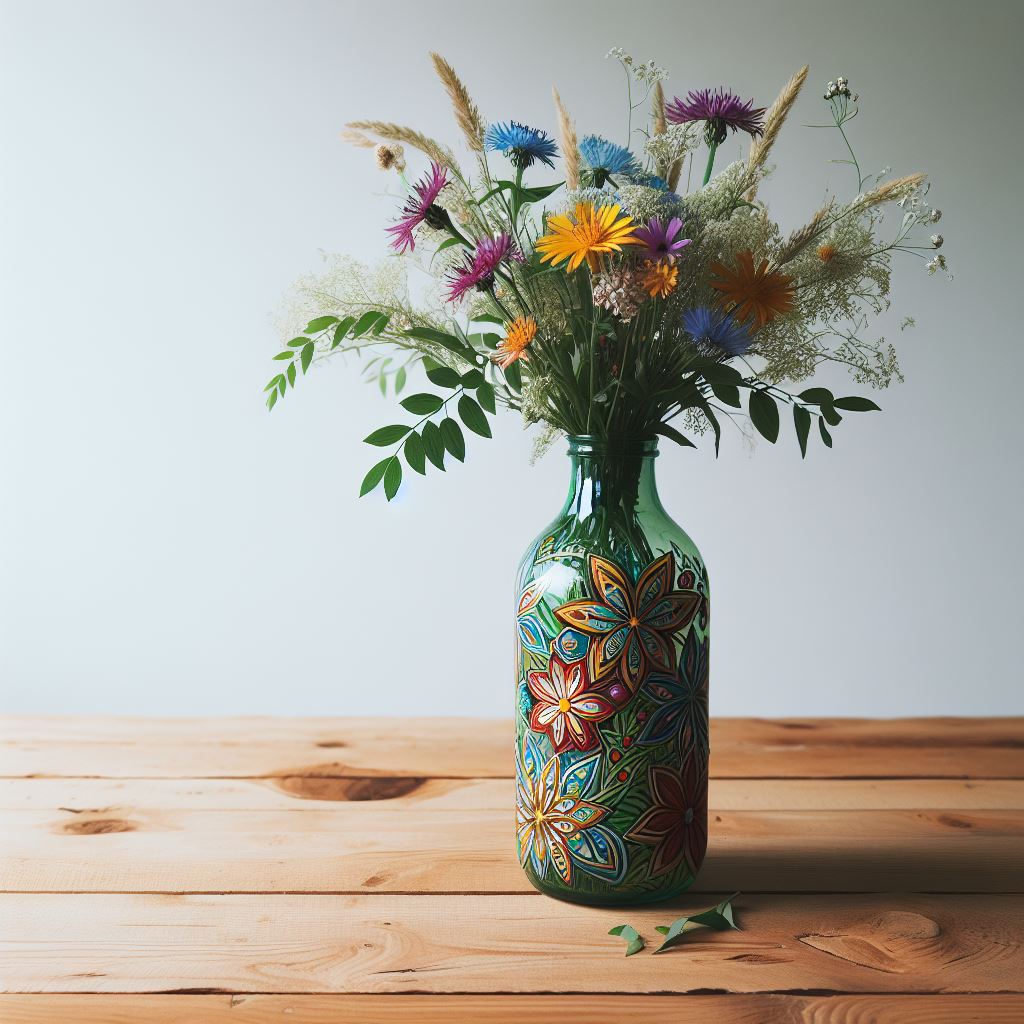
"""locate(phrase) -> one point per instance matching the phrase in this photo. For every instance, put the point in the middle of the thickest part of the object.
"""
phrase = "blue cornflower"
(705, 324)
(605, 158)
(650, 181)
(522, 145)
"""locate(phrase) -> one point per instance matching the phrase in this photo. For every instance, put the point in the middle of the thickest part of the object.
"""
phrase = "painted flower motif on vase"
(565, 707)
(556, 824)
(693, 575)
(630, 626)
(677, 825)
(682, 702)
(528, 619)
(570, 645)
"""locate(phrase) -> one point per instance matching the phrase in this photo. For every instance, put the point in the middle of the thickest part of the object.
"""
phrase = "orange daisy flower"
(518, 335)
(659, 278)
(755, 293)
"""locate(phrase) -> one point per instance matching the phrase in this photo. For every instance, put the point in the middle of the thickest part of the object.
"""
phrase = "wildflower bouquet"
(588, 286)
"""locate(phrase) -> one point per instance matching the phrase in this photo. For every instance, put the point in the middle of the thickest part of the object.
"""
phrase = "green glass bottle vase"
(612, 689)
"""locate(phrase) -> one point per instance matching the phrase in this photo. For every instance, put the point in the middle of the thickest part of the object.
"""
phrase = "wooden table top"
(248, 870)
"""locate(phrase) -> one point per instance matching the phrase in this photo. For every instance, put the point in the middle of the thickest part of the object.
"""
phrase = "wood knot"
(952, 821)
(905, 924)
(759, 958)
(97, 826)
(891, 942)
(331, 744)
(313, 787)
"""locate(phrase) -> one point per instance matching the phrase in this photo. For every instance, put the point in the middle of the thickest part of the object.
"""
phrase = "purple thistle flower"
(711, 326)
(419, 207)
(478, 271)
(720, 110)
(662, 239)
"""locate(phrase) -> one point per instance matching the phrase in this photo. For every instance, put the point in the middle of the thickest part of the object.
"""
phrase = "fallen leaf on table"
(634, 942)
(720, 918)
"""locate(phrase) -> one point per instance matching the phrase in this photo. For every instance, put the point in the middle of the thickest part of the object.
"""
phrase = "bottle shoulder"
(632, 544)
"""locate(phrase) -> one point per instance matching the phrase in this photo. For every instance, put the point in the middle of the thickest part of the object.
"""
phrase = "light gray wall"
(168, 547)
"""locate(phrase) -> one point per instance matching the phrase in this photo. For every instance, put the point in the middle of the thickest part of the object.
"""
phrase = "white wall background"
(170, 548)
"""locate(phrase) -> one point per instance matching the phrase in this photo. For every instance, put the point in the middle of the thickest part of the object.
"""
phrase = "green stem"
(515, 202)
(618, 389)
(590, 398)
(712, 149)
(860, 180)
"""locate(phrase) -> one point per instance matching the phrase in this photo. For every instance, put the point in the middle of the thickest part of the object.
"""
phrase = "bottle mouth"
(618, 447)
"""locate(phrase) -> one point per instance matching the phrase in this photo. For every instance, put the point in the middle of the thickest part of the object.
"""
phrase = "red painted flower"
(564, 707)
(677, 825)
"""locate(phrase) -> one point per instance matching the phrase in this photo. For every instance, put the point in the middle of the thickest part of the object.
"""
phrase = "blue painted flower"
(571, 645)
(520, 144)
(705, 324)
(604, 158)
(682, 702)
(532, 634)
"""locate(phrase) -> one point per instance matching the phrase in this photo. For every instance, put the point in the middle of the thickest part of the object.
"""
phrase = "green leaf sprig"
(718, 918)
(436, 433)
(302, 348)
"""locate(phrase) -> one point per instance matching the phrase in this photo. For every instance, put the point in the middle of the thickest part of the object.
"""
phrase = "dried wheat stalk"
(570, 150)
(400, 133)
(467, 114)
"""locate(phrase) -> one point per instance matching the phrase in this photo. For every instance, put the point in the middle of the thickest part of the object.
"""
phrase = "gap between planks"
(311, 793)
(504, 1009)
(468, 748)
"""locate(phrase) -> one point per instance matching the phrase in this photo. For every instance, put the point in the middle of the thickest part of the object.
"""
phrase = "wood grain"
(395, 846)
(303, 793)
(246, 870)
(466, 748)
(503, 1009)
(517, 944)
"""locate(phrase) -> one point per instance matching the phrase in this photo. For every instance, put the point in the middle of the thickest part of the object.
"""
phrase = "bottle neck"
(613, 477)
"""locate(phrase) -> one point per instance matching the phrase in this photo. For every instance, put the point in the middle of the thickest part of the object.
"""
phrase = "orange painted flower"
(594, 231)
(518, 336)
(753, 293)
(659, 278)
(631, 625)
(826, 251)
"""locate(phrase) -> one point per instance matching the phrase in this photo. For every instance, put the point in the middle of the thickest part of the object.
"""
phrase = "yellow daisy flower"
(518, 336)
(659, 278)
(595, 230)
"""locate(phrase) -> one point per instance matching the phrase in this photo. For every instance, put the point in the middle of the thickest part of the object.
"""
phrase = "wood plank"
(471, 748)
(302, 793)
(297, 794)
(394, 846)
(515, 944)
(503, 1009)
(255, 747)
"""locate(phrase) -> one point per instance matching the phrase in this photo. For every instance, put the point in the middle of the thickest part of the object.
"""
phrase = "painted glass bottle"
(612, 689)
